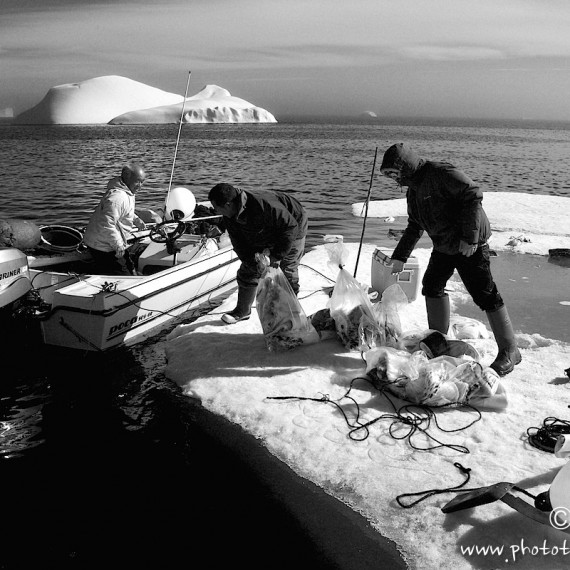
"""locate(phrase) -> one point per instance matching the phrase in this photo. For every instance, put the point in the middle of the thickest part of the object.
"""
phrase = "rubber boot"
(509, 355)
(242, 312)
(438, 313)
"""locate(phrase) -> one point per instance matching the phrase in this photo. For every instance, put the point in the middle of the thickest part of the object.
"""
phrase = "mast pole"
(178, 136)
(366, 212)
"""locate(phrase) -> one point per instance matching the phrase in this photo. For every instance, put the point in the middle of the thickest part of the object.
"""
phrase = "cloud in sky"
(411, 57)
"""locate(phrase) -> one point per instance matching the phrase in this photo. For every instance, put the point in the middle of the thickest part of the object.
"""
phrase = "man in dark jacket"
(267, 222)
(446, 204)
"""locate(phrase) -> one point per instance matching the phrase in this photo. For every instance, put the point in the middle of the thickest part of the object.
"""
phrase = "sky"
(312, 437)
(410, 58)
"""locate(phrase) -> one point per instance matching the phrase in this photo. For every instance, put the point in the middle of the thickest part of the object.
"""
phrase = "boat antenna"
(178, 137)
(366, 211)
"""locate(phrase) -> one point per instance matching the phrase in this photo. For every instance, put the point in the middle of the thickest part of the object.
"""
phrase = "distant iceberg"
(94, 101)
(211, 105)
(119, 100)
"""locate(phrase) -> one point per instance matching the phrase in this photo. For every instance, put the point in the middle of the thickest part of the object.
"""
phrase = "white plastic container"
(381, 275)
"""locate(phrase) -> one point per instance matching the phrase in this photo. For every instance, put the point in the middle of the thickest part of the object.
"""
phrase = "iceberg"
(212, 104)
(94, 101)
(113, 99)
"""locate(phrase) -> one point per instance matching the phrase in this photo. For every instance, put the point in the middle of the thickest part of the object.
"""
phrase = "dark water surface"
(102, 459)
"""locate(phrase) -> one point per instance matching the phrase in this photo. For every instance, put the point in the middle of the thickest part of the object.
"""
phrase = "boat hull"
(98, 313)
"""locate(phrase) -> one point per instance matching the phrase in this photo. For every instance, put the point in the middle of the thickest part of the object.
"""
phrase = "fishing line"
(178, 137)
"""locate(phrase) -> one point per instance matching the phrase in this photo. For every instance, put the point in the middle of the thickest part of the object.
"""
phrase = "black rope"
(324, 398)
(423, 495)
(545, 436)
(317, 272)
(416, 417)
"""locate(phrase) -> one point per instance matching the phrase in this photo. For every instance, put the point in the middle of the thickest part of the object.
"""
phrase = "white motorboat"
(176, 272)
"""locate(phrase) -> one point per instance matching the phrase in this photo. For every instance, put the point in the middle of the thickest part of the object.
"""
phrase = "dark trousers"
(106, 263)
(475, 272)
(248, 274)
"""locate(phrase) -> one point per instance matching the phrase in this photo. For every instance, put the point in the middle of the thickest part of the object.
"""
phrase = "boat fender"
(180, 204)
(21, 234)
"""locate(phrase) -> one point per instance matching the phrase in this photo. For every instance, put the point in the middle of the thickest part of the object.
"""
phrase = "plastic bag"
(464, 327)
(440, 381)
(283, 321)
(387, 315)
(410, 340)
(324, 324)
(350, 307)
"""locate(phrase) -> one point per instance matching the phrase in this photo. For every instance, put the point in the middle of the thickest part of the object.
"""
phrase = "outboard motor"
(14, 275)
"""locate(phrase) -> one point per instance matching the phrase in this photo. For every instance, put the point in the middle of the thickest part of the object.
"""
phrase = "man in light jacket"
(114, 221)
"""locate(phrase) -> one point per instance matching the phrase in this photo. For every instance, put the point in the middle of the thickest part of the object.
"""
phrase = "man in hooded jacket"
(447, 204)
(273, 223)
(114, 221)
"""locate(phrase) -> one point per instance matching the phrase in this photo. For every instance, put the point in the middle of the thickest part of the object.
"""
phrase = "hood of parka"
(403, 158)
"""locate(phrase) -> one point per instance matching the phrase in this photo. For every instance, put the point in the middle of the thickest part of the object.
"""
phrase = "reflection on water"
(21, 417)
(60, 396)
(535, 291)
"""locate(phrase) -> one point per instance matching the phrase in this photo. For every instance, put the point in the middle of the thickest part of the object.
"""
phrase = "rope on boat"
(78, 335)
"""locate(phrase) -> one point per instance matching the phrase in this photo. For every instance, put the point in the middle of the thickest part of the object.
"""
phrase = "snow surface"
(538, 218)
(119, 100)
(229, 369)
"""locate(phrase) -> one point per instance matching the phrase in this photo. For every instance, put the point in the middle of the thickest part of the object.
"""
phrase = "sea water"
(67, 419)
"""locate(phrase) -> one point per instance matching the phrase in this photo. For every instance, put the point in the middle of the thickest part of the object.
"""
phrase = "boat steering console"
(164, 233)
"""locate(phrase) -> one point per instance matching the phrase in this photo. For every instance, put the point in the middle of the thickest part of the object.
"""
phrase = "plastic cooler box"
(381, 275)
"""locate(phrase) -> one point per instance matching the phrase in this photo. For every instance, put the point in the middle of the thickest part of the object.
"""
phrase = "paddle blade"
(477, 497)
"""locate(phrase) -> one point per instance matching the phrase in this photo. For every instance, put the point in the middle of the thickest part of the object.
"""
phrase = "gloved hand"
(139, 223)
(272, 261)
(120, 252)
(467, 249)
(397, 266)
